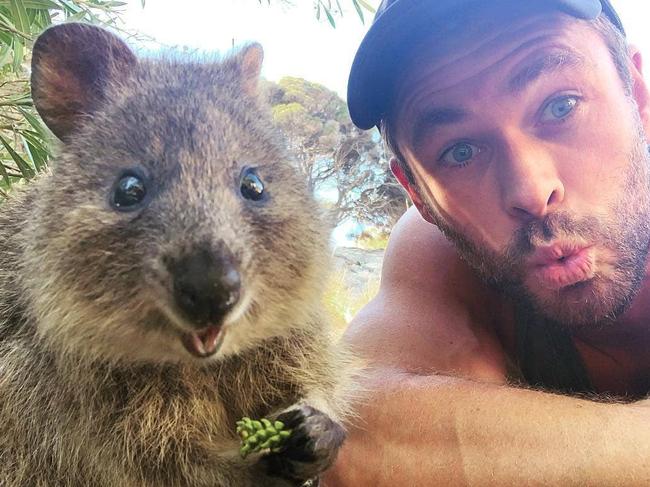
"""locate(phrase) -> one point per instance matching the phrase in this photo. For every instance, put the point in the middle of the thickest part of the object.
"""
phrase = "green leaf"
(5, 176)
(330, 18)
(34, 4)
(38, 158)
(22, 99)
(36, 123)
(5, 55)
(39, 151)
(70, 9)
(27, 150)
(22, 164)
(78, 16)
(17, 9)
(42, 20)
(19, 53)
(6, 38)
(367, 6)
(46, 19)
(358, 9)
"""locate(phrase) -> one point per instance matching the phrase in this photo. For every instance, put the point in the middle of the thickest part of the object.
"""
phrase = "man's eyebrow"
(430, 119)
(549, 63)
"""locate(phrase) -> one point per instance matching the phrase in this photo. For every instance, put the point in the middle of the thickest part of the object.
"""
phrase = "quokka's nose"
(206, 286)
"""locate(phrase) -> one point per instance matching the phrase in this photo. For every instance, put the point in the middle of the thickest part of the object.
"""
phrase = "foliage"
(341, 304)
(343, 165)
(261, 435)
(332, 9)
(24, 139)
(373, 238)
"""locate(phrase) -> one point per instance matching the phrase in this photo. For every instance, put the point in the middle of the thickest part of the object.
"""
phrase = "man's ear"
(71, 66)
(640, 88)
(412, 190)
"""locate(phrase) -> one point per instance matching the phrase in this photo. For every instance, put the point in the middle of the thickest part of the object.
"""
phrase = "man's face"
(531, 156)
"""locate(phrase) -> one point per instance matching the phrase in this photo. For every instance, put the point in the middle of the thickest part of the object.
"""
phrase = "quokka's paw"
(311, 448)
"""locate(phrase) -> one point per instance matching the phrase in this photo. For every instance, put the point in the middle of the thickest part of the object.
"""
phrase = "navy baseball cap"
(397, 24)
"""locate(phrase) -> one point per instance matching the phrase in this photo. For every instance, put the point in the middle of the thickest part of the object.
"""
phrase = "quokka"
(162, 281)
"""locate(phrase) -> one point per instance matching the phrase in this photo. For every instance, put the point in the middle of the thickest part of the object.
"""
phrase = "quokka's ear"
(71, 66)
(250, 61)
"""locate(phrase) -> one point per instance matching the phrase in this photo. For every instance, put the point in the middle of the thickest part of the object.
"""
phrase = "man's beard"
(625, 233)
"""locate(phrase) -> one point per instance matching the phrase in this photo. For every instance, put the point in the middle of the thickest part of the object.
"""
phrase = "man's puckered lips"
(398, 23)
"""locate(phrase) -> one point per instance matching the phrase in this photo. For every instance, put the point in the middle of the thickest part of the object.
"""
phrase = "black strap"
(547, 356)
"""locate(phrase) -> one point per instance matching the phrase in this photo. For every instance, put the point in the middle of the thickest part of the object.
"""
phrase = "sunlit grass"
(341, 303)
(373, 239)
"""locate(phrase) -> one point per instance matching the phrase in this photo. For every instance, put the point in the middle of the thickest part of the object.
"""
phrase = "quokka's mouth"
(204, 343)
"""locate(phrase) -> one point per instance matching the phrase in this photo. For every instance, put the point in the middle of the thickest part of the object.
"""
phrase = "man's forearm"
(434, 430)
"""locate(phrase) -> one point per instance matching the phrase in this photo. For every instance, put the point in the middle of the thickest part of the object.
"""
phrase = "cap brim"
(373, 68)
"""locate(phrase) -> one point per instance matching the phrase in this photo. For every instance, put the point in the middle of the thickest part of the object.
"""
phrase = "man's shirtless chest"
(617, 359)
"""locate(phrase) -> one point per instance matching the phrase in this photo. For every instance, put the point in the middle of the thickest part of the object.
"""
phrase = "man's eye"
(559, 108)
(459, 155)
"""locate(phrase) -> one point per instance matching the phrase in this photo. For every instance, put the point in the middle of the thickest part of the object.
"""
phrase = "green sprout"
(261, 435)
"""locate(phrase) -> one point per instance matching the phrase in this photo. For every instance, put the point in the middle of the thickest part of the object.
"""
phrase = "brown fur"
(95, 385)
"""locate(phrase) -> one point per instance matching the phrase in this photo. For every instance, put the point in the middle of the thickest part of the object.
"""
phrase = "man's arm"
(425, 431)
(440, 412)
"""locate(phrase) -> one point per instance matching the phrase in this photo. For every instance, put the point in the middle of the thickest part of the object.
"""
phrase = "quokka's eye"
(251, 186)
(129, 192)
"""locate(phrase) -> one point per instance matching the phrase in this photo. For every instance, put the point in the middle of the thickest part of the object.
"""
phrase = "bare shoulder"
(419, 255)
(432, 314)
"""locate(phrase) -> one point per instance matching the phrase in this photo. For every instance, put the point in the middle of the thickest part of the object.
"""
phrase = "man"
(509, 342)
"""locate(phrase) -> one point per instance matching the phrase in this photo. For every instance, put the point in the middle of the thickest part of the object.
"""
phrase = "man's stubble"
(625, 232)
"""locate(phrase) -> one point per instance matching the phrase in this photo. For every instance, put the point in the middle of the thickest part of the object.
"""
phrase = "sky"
(295, 43)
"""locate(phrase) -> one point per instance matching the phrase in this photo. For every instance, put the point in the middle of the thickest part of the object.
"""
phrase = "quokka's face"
(173, 227)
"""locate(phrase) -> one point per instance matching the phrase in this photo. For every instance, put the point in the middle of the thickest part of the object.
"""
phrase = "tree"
(333, 8)
(24, 139)
(344, 166)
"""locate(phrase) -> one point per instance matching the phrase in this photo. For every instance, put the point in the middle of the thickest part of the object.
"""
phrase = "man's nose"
(530, 183)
